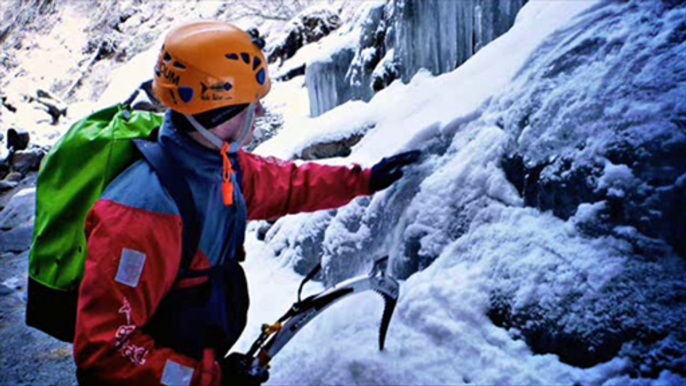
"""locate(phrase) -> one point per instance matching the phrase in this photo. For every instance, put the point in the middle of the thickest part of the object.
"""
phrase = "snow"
(400, 112)
(138, 70)
(289, 99)
(53, 55)
(43, 57)
(460, 235)
(269, 283)
(616, 178)
(439, 335)
(302, 131)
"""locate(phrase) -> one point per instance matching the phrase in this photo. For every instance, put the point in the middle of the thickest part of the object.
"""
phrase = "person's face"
(231, 129)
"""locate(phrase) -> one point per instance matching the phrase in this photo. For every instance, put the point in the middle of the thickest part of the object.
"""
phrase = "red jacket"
(134, 241)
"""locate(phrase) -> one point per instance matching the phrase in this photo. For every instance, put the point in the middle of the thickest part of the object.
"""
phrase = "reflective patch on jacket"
(176, 374)
(131, 265)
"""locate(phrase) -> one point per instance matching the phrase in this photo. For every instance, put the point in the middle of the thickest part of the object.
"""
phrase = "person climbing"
(143, 318)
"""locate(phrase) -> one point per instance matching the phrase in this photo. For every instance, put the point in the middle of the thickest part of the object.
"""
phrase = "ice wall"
(326, 82)
(434, 34)
(342, 70)
(563, 191)
(440, 35)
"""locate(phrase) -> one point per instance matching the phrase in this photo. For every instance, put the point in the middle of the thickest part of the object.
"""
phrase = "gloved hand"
(236, 371)
(389, 170)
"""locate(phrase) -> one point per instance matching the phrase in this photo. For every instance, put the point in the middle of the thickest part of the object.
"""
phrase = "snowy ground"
(440, 334)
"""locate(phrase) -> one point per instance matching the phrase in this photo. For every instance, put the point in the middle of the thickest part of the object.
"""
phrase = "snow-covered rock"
(336, 72)
(548, 205)
(600, 118)
(371, 49)
(332, 149)
(24, 161)
(307, 27)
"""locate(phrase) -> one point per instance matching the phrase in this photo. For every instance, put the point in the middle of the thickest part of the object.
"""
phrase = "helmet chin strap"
(214, 140)
(218, 142)
(249, 119)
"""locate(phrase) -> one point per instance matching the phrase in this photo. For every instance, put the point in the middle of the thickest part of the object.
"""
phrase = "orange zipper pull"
(227, 186)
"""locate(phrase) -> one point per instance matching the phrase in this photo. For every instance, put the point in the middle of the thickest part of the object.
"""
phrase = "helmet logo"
(162, 70)
(216, 90)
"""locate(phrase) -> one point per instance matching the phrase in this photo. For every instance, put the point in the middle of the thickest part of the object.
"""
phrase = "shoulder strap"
(177, 186)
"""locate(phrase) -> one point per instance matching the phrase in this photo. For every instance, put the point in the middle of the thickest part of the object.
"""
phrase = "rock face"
(40, 358)
(16, 222)
(24, 161)
(17, 139)
(599, 135)
(582, 144)
(435, 34)
(341, 148)
(309, 26)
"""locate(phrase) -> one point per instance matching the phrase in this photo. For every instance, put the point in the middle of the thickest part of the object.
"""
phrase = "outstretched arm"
(274, 188)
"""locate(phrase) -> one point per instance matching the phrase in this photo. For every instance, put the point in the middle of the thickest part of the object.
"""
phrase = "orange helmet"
(207, 65)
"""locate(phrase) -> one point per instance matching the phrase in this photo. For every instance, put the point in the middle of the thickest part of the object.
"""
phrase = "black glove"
(389, 170)
(236, 371)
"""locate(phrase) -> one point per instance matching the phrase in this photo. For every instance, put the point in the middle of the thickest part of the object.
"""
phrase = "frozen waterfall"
(433, 34)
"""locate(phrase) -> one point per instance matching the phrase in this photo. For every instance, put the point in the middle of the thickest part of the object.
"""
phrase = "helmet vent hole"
(231, 56)
(186, 93)
(167, 57)
(245, 57)
(179, 66)
(260, 77)
(256, 63)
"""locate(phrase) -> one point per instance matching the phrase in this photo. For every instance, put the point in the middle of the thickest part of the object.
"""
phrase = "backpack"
(71, 179)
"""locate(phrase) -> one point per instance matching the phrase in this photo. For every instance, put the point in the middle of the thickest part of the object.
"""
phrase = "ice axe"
(274, 337)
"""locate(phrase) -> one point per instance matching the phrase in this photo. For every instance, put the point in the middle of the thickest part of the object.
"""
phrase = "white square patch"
(130, 267)
(176, 374)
